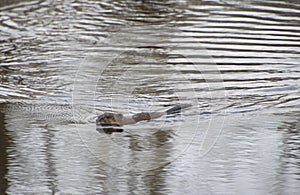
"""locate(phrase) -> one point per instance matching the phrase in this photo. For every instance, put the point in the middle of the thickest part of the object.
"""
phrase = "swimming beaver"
(112, 119)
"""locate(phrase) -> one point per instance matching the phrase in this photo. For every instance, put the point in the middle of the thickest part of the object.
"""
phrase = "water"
(65, 62)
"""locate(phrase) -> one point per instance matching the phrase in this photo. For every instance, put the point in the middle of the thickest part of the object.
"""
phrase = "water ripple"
(65, 62)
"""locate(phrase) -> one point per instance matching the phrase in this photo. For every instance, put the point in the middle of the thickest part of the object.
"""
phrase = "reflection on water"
(62, 63)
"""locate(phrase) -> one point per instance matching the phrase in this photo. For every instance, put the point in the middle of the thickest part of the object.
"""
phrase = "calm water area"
(64, 62)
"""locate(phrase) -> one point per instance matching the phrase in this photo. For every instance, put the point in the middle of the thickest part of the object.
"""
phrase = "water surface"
(62, 63)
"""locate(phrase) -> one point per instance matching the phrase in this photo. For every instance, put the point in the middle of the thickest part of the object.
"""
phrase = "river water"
(64, 62)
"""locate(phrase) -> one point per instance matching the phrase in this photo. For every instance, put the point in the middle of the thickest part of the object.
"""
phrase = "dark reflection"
(109, 130)
(50, 162)
(290, 146)
(152, 171)
(30, 154)
(289, 156)
(159, 144)
(156, 180)
(4, 144)
(155, 141)
(153, 181)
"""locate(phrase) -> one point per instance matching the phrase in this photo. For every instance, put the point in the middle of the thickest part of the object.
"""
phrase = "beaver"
(114, 119)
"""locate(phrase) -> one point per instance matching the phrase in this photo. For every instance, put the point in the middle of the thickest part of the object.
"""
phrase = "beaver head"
(110, 119)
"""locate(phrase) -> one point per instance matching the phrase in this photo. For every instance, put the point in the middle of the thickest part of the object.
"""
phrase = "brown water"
(64, 62)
